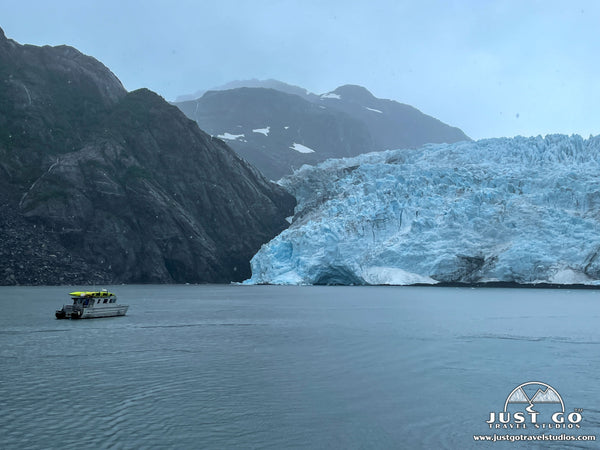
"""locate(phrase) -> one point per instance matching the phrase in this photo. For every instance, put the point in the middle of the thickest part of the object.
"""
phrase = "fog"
(494, 69)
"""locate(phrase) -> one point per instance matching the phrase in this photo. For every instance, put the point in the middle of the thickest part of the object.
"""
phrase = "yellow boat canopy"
(92, 294)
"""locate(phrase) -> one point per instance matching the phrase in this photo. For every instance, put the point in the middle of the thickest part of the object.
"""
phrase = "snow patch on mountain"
(524, 210)
(264, 131)
(331, 95)
(374, 110)
(301, 148)
(230, 137)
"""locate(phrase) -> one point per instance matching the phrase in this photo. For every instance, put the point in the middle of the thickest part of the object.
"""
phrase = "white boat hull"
(69, 312)
(107, 311)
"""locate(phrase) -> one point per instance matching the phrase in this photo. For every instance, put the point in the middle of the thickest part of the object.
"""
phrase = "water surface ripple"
(289, 367)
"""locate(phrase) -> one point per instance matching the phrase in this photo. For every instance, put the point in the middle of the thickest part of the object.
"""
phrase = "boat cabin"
(87, 299)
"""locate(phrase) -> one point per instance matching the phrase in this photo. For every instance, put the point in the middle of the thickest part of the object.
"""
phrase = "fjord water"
(290, 367)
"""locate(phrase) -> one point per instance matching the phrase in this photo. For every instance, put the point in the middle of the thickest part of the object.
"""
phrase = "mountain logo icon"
(538, 393)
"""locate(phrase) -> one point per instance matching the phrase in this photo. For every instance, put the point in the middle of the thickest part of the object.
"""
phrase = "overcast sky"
(492, 68)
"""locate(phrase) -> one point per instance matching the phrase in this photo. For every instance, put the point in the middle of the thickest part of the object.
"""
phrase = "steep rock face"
(265, 120)
(110, 186)
(521, 210)
(55, 92)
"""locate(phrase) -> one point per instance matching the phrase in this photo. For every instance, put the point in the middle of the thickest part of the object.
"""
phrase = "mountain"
(253, 83)
(520, 210)
(547, 396)
(266, 121)
(103, 185)
(393, 125)
(275, 131)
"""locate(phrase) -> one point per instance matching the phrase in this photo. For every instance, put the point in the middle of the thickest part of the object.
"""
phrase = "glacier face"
(524, 210)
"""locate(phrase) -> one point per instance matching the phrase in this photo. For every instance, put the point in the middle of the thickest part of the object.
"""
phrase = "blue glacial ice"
(524, 210)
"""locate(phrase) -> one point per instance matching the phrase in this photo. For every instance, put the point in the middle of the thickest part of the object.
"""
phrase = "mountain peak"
(352, 92)
(2, 35)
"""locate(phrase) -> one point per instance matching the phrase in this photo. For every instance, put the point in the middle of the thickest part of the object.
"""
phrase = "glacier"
(518, 210)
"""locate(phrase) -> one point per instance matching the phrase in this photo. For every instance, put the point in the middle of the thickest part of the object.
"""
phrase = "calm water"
(290, 367)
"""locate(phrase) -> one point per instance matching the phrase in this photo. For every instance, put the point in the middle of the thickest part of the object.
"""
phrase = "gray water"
(290, 367)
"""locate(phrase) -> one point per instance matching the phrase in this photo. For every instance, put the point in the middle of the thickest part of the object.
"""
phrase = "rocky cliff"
(101, 185)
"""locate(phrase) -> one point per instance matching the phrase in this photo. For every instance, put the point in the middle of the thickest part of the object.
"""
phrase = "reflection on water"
(285, 367)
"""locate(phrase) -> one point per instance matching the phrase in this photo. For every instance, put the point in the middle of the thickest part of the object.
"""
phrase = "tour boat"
(90, 305)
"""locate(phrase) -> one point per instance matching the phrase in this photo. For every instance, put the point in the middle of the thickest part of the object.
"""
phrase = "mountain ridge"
(234, 115)
(342, 123)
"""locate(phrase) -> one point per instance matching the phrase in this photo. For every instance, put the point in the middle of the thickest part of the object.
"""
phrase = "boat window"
(105, 300)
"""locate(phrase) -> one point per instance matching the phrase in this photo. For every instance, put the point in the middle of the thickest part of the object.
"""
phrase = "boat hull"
(91, 313)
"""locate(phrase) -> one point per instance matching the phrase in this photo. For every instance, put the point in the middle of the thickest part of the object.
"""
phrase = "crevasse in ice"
(523, 210)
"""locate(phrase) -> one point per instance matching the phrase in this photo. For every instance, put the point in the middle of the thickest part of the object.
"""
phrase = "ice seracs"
(522, 210)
